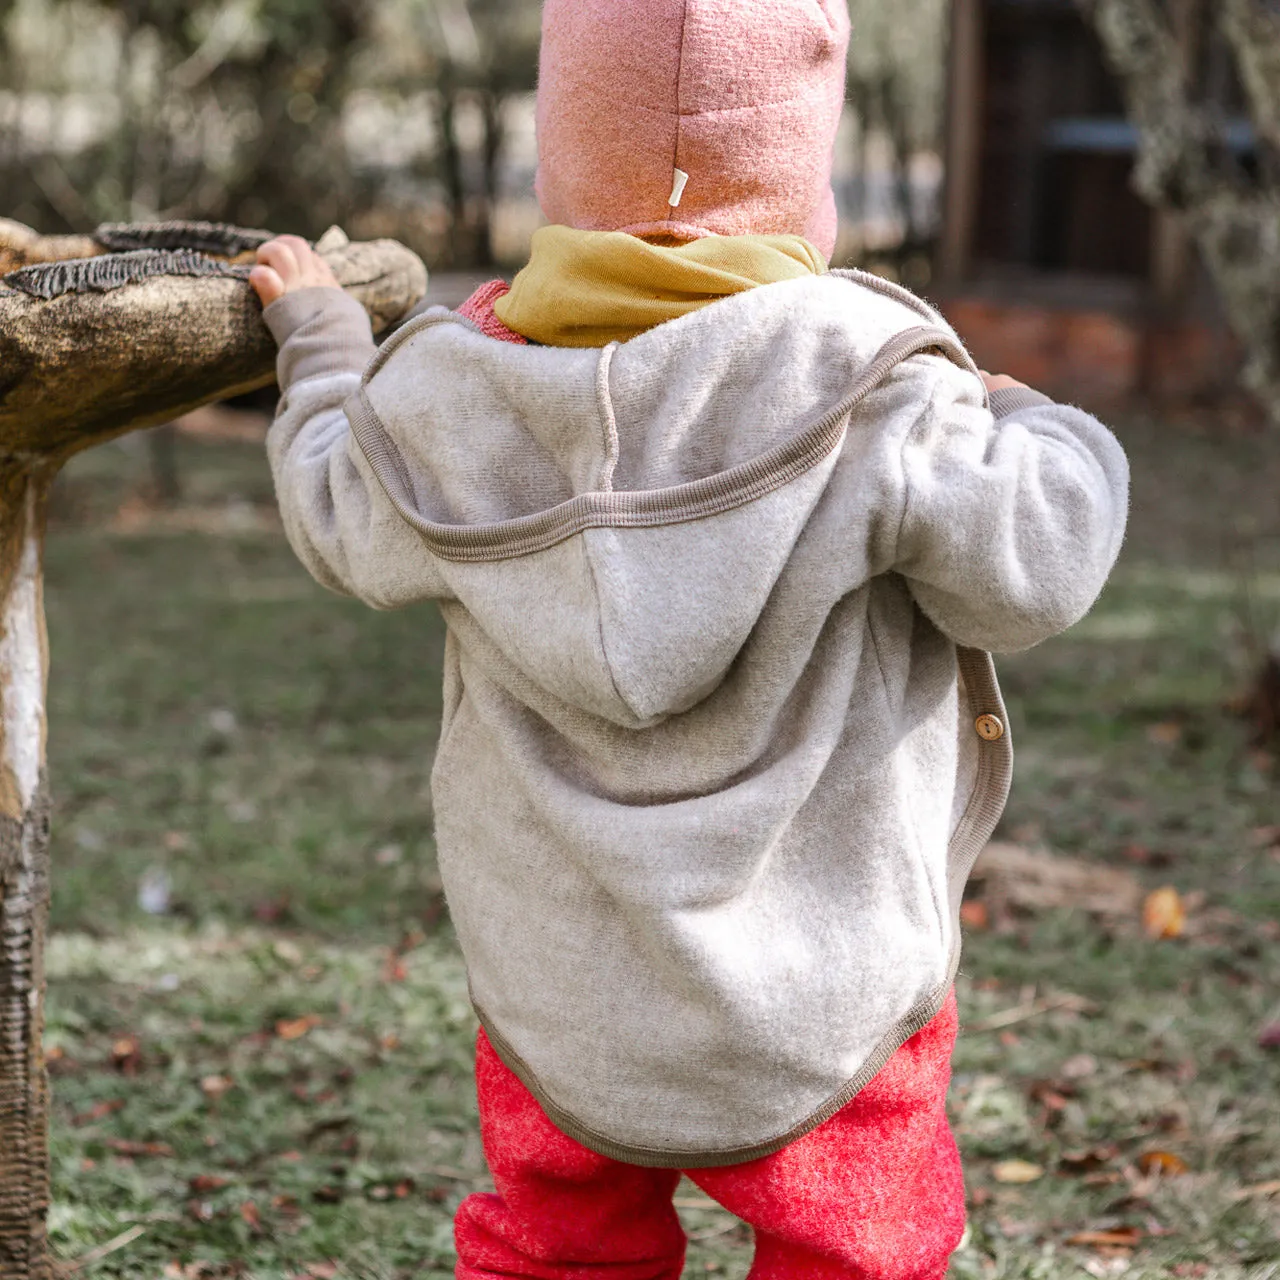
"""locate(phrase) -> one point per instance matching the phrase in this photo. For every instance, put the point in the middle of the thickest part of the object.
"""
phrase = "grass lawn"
(258, 1022)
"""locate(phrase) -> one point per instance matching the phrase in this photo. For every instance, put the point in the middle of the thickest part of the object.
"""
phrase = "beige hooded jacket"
(721, 737)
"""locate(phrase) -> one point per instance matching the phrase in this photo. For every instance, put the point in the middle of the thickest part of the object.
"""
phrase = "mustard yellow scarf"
(590, 288)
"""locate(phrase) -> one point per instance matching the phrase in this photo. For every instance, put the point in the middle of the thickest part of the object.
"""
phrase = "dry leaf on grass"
(1036, 880)
(1164, 914)
(1078, 1066)
(124, 1147)
(1165, 1164)
(1119, 1238)
(1089, 1159)
(99, 1111)
(296, 1028)
(1016, 1171)
(203, 1183)
(216, 1086)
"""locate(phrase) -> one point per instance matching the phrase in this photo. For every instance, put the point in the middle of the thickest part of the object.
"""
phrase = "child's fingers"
(296, 263)
(267, 284)
(282, 256)
(1000, 381)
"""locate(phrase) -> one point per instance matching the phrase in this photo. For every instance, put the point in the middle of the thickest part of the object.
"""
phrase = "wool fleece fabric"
(721, 733)
(687, 118)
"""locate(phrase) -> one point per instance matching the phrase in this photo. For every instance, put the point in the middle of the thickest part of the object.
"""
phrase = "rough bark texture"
(82, 366)
(91, 348)
(1183, 163)
(24, 880)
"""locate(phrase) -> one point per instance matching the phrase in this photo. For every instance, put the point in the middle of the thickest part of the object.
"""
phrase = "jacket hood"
(614, 520)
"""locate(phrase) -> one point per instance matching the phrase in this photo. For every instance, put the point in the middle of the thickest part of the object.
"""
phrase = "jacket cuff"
(1013, 400)
(320, 331)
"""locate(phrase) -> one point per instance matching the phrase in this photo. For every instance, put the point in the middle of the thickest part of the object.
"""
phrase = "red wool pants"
(874, 1193)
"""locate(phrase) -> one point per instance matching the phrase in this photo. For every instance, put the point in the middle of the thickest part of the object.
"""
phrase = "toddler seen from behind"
(723, 541)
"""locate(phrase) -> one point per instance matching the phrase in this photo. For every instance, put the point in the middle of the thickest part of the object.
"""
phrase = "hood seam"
(589, 560)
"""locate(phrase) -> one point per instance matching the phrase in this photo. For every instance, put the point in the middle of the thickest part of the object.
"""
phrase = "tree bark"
(24, 881)
(87, 363)
(79, 368)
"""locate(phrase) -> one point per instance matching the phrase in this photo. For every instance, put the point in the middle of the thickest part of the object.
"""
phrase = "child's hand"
(286, 264)
(1000, 381)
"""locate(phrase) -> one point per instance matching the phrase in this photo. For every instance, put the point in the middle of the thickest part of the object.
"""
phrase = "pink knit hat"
(691, 118)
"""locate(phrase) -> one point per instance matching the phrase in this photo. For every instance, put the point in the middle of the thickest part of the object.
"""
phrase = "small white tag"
(677, 187)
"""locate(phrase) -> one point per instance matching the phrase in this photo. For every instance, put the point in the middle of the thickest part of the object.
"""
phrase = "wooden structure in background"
(99, 335)
(1050, 265)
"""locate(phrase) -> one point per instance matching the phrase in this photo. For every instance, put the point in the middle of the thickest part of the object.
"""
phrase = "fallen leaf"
(1164, 1163)
(1119, 1238)
(1078, 1066)
(216, 1086)
(203, 1183)
(973, 915)
(1163, 913)
(126, 1056)
(99, 1111)
(1049, 1098)
(274, 910)
(1016, 1171)
(1089, 1158)
(1269, 1036)
(296, 1028)
(124, 1147)
(327, 1195)
(251, 1215)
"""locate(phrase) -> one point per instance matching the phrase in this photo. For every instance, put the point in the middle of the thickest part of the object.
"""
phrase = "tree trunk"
(24, 881)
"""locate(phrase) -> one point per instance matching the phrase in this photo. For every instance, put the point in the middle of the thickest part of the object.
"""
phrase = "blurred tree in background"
(897, 90)
(171, 108)
(242, 111)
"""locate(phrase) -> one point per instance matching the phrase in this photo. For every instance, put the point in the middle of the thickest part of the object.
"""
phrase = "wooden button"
(989, 728)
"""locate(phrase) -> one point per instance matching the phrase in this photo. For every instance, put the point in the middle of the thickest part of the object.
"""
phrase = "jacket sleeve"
(1013, 515)
(337, 517)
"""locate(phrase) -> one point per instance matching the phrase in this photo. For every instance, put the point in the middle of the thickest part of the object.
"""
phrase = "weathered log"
(125, 329)
(86, 364)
